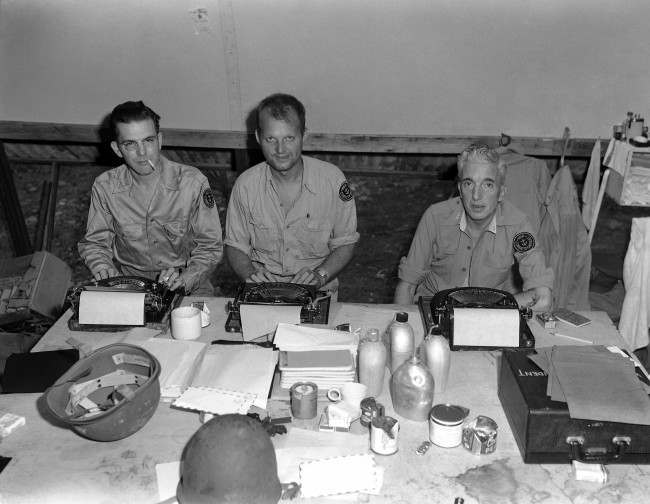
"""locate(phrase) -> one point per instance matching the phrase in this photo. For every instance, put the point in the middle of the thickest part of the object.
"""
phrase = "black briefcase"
(546, 434)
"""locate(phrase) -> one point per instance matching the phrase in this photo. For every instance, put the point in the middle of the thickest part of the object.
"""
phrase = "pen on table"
(573, 338)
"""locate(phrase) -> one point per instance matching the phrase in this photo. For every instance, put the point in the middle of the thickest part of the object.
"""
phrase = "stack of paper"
(595, 383)
(297, 338)
(178, 361)
(238, 373)
(323, 356)
(325, 368)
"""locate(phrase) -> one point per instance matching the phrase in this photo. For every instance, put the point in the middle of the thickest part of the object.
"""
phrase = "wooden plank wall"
(314, 142)
(240, 144)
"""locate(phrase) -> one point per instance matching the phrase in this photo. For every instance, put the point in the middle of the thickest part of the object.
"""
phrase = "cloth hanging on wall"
(565, 242)
(590, 187)
(635, 314)
(527, 181)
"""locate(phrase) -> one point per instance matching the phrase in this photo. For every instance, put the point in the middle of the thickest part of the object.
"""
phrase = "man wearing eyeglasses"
(291, 218)
(475, 240)
(151, 217)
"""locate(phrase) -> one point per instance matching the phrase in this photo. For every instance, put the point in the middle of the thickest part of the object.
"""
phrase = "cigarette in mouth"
(151, 164)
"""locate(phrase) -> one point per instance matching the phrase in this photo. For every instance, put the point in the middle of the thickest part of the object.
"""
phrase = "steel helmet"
(229, 459)
(108, 395)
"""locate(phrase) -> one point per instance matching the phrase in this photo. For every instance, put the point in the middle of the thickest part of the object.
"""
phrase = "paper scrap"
(179, 360)
(168, 475)
(258, 320)
(246, 369)
(340, 475)
(302, 445)
(215, 401)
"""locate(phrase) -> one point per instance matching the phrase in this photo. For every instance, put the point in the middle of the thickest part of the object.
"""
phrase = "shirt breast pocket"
(264, 237)
(131, 232)
(443, 258)
(174, 231)
(497, 269)
(313, 237)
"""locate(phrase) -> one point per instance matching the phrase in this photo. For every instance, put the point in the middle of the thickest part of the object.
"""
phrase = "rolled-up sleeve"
(237, 233)
(96, 247)
(414, 267)
(344, 231)
(206, 235)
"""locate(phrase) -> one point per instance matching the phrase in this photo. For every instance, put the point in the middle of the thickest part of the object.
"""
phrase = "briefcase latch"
(597, 454)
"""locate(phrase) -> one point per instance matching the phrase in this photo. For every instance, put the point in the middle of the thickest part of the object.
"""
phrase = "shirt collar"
(169, 176)
(492, 227)
(309, 176)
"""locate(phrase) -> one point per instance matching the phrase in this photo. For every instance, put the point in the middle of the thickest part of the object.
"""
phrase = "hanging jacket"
(635, 317)
(565, 242)
(527, 181)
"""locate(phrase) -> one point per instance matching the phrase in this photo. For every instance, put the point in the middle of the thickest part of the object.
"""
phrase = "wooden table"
(52, 464)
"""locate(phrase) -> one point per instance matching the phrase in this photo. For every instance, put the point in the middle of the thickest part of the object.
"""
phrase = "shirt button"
(286, 250)
(464, 269)
(288, 226)
(469, 247)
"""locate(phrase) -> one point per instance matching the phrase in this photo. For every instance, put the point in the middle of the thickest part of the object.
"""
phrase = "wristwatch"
(322, 275)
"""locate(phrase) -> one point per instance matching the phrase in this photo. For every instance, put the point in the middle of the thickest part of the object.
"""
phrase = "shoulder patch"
(523, 242)
(208, 198)
(345, 191)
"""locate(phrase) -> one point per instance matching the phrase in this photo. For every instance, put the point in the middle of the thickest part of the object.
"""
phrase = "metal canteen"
(438, 358)
(411, 389)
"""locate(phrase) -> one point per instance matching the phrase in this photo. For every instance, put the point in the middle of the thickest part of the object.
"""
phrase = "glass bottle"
(402, 340)
(411, 389)
(372, 362)
(438, 359)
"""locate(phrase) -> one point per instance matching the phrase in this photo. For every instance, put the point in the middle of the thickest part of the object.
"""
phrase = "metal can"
(618, 131)
(304, 400)
(445, 424)
(480, 435)
(383, 435)
(370, 409)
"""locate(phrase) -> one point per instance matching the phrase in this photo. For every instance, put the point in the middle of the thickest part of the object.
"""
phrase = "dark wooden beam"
(315, 142)
(12, 210)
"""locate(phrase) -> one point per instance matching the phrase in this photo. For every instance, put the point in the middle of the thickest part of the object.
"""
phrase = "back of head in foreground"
(229, 460)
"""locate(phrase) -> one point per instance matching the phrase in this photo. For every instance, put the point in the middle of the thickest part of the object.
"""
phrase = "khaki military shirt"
(179, 228)
(322, 219)
(443, 255)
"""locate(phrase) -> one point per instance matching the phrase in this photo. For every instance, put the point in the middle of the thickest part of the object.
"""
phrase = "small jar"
(446, 425)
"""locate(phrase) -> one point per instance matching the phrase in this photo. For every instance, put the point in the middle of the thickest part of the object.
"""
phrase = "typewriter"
(438, 314)
(315, 304)
(159, 301)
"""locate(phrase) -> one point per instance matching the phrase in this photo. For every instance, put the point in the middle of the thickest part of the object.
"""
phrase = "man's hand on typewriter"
(106, 272)
(260, 275)
(306, 276)
(538, 299)
(172, 278)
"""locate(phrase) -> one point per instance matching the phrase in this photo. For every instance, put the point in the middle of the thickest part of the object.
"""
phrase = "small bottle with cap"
(402, 340)
(372, 362)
